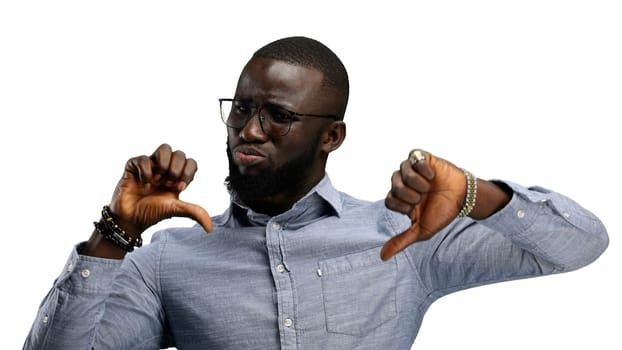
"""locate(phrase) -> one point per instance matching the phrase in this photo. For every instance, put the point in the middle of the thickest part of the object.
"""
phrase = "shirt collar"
(321, 196)
(328, 193)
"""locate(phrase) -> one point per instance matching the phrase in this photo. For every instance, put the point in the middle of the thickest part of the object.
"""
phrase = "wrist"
(491, 197)
(128, 227)
(470, 196)
(99, 247)
(114, 233)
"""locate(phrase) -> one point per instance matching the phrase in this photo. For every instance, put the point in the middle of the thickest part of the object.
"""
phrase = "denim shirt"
(310, 278)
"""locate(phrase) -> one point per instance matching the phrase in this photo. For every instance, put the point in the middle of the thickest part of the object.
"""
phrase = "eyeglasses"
(274, 119)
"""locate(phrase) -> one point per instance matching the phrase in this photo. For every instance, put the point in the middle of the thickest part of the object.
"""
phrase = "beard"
(287, 178)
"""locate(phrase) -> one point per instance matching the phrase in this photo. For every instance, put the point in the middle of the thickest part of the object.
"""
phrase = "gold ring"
(416, 156)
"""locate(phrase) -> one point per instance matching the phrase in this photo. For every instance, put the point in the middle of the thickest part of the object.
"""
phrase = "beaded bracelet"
(112, 232)
(471, 194)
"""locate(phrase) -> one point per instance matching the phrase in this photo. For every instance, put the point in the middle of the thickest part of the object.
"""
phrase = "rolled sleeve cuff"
(86, 273)
(524, 208)
(528, 203)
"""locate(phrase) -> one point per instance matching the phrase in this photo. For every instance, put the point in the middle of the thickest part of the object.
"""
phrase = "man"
(293, 263)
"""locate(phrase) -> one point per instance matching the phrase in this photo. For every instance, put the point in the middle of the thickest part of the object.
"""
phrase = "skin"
(431, 192)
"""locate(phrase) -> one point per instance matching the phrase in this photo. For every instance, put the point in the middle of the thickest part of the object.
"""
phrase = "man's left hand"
(431, 192)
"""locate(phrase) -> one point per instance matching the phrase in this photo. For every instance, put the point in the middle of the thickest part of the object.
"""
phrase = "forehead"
(269, 80)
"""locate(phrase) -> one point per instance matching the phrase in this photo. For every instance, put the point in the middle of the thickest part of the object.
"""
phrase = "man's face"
(263, 164)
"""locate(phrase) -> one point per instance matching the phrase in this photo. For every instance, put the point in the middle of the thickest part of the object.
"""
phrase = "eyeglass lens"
(236, 114)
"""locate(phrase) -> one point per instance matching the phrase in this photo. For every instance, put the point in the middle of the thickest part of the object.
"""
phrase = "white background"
(528, 91)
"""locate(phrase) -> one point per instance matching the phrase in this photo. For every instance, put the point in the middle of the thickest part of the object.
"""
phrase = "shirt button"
(288, 322)
(276, 225)
(280, 268)
(70, 267)
(566, 215)
(45, 319)
(520, 213)
(85, 273)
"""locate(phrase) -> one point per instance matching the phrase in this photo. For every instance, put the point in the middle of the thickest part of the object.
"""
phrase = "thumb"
(397, 243)
(194, 212)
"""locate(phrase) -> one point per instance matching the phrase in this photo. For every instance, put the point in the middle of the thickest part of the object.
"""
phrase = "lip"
(246, 156)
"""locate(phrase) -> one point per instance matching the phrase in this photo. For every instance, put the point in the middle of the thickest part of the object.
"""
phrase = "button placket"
(284, 289)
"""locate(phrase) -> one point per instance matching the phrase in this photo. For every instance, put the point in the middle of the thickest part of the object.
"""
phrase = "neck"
(281, 202)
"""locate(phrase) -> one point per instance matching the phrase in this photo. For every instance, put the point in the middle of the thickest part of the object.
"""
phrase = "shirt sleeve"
(68, 315)
(102, 304)
(538, 232)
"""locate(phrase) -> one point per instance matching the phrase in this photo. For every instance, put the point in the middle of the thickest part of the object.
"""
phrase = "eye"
(280, 115)
(241, 108)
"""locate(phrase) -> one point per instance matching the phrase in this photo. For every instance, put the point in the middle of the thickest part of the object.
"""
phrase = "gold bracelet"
(471, 194)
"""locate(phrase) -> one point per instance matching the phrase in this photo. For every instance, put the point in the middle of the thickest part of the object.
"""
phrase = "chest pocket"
(359, 292)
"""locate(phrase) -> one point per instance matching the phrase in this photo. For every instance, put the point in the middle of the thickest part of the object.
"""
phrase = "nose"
(253, 130)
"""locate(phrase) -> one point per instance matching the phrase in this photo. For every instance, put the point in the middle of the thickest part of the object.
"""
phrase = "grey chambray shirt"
(310, 278)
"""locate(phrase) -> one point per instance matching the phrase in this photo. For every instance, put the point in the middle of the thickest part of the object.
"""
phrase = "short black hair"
(310, 53)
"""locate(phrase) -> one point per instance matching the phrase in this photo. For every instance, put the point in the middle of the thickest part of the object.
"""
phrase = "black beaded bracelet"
(112, 232)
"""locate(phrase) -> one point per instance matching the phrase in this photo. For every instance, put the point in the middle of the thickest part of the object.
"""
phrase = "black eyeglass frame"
(257, 111)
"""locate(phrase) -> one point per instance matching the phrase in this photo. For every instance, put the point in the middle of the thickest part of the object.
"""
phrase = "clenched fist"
(148, 191)
(431, 192)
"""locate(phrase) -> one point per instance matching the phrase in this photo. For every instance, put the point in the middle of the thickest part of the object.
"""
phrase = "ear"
(333, 136)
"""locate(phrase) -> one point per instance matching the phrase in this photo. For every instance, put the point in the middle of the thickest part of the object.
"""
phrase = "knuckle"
(396, 176)
(415, 198)
(179, 154)
(390, 203)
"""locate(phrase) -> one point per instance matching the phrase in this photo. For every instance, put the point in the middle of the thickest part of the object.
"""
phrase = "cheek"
(286, 150)
(232, 136)
(300, 143)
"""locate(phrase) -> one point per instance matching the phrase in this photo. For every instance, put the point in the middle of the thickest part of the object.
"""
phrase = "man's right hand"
(147, 193)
